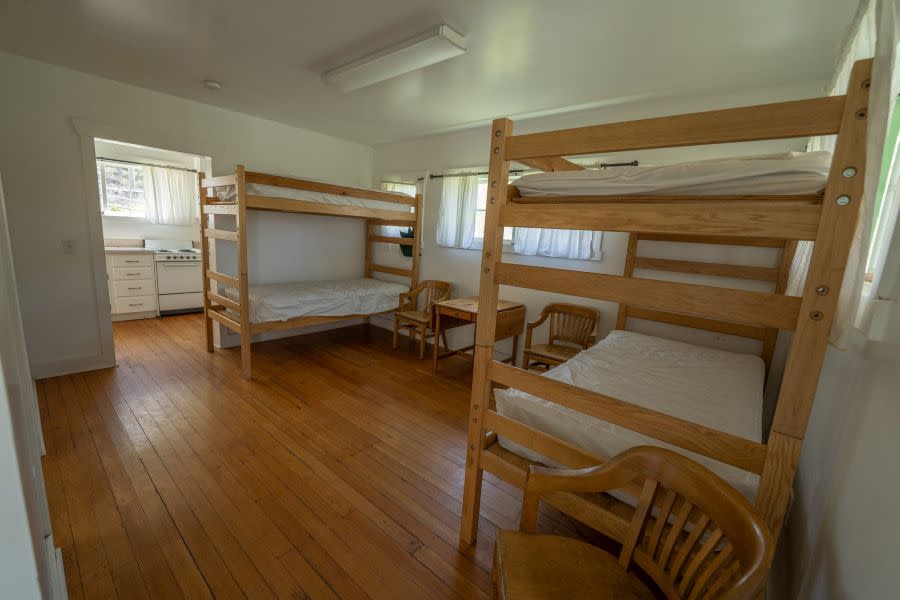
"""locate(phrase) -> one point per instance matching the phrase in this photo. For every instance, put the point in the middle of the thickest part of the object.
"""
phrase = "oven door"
(179, 278)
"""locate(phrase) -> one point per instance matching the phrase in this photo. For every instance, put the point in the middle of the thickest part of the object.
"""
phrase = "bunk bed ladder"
(215, 304)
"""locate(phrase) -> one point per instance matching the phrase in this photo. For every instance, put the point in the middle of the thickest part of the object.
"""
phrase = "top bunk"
(262, 191)
(770, 196)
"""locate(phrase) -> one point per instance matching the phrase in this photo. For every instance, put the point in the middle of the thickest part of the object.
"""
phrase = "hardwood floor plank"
(336, 472)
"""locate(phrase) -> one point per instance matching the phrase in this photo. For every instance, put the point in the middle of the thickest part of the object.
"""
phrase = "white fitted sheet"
(787, 173)
(226, 194)
(718, 389)
(283, 301)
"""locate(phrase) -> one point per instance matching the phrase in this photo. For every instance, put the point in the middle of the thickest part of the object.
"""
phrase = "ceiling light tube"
(430, 47)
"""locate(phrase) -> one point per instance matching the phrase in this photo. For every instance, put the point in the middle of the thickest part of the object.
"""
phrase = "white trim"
(67, 366)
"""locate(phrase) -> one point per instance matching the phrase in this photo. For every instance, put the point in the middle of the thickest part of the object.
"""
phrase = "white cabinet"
(132, 283)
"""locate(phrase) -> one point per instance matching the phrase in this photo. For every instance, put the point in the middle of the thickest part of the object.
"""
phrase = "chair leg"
(421, 331)
(495, 591)
(396, 327)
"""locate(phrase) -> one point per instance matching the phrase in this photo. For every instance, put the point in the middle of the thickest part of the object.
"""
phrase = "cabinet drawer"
(126, 273)
(134, 304)
(138, 287)
(132, 260)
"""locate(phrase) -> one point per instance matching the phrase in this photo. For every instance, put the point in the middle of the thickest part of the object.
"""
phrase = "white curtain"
(873, 34)
(171, 196)
(558, 243)
(456, 218)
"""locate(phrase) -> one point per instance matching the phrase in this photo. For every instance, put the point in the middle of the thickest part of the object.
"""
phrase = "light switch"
(68, 246)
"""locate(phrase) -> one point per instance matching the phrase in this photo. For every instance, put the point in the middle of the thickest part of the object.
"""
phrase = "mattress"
(226, 194)
(717, 389)
(787, 173)
(283, 301)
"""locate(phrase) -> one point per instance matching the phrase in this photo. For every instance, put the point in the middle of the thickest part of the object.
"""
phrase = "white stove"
(179, 276)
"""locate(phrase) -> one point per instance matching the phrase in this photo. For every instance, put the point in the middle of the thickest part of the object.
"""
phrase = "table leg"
(437, 336)
(515, 350)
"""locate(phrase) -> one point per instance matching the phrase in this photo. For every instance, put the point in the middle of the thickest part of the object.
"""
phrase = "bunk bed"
(247, 310)
(504, 439)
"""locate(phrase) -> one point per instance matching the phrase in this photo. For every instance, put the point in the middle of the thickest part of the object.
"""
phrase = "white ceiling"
(525, 56)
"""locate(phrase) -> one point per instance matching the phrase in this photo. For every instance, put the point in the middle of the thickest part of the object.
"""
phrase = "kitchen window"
(121, 190)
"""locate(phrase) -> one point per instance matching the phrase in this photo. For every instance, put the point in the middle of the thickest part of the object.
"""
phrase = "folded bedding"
(783, 174)
(718, 389)
(283, 301)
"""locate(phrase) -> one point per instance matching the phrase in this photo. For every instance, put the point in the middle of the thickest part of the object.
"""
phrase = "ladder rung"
(219, 234)
(223, 301)
(392, 270)
(386, 239)
(231, 324)
(220, 209)
(222, 278)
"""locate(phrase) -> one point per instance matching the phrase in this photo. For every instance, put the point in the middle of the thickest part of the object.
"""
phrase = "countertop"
(126, 250)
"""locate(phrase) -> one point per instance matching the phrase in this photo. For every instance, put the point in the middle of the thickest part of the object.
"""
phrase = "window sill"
(125, 219)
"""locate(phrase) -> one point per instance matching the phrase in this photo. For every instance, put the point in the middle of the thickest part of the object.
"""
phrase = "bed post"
(241, 190)
(416, 248)
(204, 255)
(630, 255)
(837, 226)
(498, 179)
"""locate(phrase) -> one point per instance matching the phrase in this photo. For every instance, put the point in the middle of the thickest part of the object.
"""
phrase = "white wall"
(469, 148)
(51, 196)
(27, 567)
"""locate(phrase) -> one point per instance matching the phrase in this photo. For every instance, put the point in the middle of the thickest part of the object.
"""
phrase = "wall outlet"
(68, 246)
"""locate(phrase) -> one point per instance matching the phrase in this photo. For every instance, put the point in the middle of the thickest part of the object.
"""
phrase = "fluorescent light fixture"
(428, 48)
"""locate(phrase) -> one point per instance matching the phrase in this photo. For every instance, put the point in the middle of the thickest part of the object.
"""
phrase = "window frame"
(102, 189)
(507, 242)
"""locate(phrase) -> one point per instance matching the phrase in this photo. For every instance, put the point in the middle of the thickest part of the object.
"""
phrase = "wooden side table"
(457, 312)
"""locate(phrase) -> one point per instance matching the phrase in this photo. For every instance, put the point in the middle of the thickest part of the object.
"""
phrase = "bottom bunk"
(280, 305)
(715, 388)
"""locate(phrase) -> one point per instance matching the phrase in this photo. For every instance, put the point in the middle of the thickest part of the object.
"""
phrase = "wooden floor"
(336, 472)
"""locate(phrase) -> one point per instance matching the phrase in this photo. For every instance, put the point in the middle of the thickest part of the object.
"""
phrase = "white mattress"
(718, 389)
(789, 173)
(226, 194)
(283, 301)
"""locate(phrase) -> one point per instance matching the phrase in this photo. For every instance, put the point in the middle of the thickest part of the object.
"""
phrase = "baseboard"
(70, 365)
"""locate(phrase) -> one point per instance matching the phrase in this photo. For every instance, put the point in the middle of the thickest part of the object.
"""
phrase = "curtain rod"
(131, 162)
(632, 163)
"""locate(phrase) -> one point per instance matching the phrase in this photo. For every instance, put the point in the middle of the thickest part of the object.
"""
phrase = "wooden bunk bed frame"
(231, 313)
(829, 218)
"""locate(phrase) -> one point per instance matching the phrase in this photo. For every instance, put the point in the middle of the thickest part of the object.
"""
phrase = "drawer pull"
(132, 261)
(137, 304)
(137, 288)
(132, 274)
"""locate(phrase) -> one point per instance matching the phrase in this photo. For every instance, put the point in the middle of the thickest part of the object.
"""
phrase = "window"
(401, 188)
(481, 210)
(121, 190)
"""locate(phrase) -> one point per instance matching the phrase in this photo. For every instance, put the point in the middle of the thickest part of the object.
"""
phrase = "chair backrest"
(572, 323)
(434, 290)
(691, 532)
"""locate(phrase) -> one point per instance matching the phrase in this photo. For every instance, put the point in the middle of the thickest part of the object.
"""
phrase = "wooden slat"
(221, 180)
(220, 234)
(748, 331)
(740, 306)
(222, 278)
(730, 449)
(801, 118)
(705, 268)
(551, 163)
(327, 188)
(714, 240)
(386, 239)
(786, 221)
(544, 444)
(220, 209)
(338, 210)
(299, 322)
(228, 322)
(226, 302)
(392, 270)
(669, 199)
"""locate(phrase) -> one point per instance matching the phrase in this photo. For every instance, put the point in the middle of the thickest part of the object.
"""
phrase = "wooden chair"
(691, 533)
(574, 325)
(421, 321)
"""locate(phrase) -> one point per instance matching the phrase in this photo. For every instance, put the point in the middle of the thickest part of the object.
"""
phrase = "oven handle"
(184, 264)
